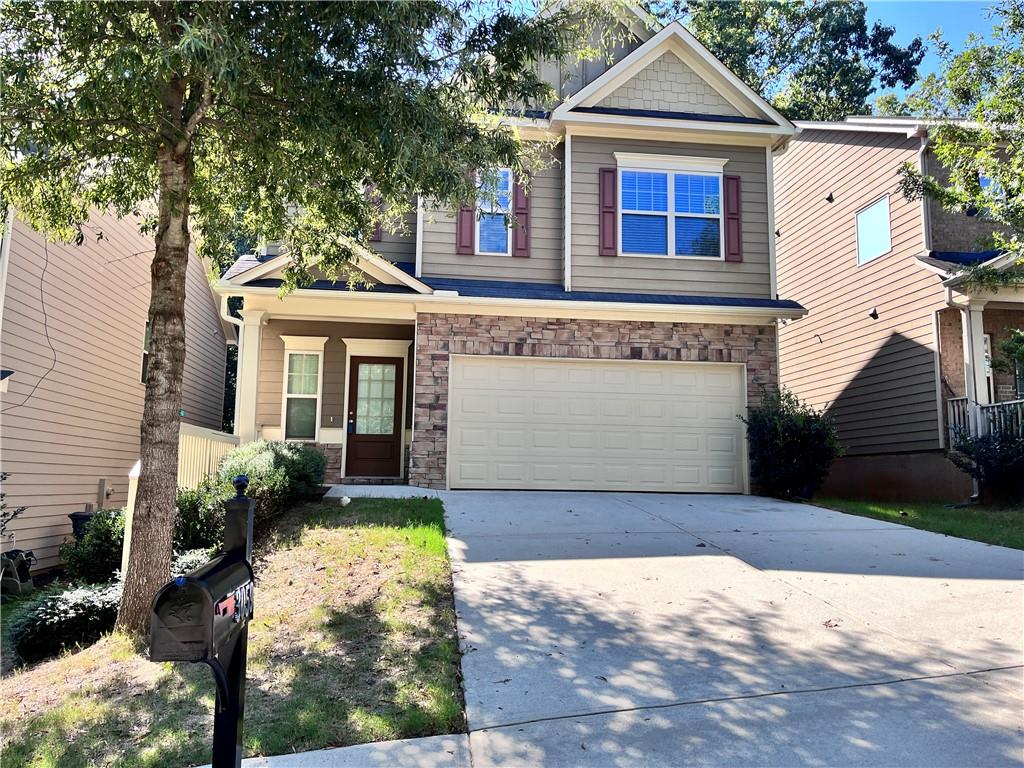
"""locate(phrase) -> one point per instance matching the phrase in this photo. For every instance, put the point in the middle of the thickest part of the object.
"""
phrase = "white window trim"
(303, 345)
(478, 210)
(670, 165)
(856, 224)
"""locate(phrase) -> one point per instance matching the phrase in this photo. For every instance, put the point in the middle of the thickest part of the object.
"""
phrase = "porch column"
(975, 368)
(249, 343)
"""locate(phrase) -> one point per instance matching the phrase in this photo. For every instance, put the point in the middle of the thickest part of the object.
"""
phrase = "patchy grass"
(353, 641)
(992, 525)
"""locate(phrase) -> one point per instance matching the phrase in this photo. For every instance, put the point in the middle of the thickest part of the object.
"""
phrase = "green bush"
(200, 518)
(190, 560)
(279, 473)
(996, 461)
(96, 557)
(792, 446)
(57, 621)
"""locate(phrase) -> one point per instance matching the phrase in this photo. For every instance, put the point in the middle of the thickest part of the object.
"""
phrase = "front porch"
(982, 393)
(340, 383)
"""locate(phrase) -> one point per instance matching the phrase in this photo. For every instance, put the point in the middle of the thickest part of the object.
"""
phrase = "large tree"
(260, 120)
(813, 60)
(975, 105)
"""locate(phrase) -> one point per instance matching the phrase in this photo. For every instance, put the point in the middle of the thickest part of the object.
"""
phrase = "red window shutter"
(733, 219)
(607, 212)
(464, 231)
(521, 225)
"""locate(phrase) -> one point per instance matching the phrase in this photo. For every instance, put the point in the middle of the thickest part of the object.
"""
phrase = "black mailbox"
(204, 616)
(198, 617)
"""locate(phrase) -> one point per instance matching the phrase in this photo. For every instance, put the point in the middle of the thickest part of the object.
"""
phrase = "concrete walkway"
(644, 629)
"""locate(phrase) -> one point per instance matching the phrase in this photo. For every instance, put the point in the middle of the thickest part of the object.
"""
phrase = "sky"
(919, 18)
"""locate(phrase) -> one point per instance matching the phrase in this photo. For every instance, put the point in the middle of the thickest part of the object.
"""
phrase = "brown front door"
(374, 417)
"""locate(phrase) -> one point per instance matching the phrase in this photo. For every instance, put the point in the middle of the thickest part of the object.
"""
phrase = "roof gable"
(689, 77)
(376, 269)
(668, 84)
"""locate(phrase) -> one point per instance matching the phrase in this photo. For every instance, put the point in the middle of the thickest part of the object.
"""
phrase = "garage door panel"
(614, 425)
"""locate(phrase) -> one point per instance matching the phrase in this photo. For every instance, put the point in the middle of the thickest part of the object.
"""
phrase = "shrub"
(279, 473)
(305, 466)
(996, 461)
(200, 519)
(190, 560)
(95, 557)
(56, 621)
(792, 446)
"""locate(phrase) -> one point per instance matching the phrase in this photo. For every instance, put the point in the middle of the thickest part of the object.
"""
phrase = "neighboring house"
(608, 340)
(74, 334)
(894, 342)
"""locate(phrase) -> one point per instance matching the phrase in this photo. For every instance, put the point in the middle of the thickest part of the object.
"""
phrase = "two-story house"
(896, 344)
(73, 347)
(608, 339)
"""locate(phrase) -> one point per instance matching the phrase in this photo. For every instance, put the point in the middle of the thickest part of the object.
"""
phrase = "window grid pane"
(493, 233)
(303, 371)
(644, 234)
(300, 418)
(697, 194)
(497, 198)
(644, 191)
(375, 399)
(698, 237)
(874, 237)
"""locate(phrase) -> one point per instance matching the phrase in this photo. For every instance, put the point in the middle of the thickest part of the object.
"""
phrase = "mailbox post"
(204, 616)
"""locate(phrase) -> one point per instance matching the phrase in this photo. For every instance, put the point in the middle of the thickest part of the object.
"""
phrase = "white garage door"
(522, 422)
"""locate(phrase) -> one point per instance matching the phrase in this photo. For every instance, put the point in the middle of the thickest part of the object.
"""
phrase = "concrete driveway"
(641, 629)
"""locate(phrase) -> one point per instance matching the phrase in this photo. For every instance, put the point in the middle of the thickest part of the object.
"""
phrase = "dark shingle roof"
(672, 115)
(504, 289)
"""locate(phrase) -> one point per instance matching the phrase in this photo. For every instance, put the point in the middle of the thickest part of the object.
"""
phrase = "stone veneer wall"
(333, 452)
(440, 335)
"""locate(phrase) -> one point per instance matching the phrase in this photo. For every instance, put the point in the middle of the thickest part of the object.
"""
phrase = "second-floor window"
(874, 232)
(670, 213)
(495, 204)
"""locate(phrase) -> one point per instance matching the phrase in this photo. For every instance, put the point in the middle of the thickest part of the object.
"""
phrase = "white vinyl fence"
(199, 453)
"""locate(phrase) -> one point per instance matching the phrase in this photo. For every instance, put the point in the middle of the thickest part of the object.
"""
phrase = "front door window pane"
(300, 418)
(375, 399)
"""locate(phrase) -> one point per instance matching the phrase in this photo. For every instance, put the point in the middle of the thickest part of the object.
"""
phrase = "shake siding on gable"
(669, 275)
(544, 264)
(878, 376)
(81, 424)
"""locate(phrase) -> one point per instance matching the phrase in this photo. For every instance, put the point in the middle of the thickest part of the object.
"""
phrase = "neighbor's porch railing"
(964, 416)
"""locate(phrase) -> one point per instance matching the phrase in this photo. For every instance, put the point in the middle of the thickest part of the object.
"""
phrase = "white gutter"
(5, 256)
(551, 304)
(925, 217)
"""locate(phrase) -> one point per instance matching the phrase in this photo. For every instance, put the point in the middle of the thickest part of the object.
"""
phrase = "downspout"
(926, 221)
(225, 315)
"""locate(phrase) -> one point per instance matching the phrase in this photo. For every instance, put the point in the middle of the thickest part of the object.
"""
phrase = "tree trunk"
(149, 559)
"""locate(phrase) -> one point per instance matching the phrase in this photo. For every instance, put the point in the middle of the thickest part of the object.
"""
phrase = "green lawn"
(353, 641)
(993, 525)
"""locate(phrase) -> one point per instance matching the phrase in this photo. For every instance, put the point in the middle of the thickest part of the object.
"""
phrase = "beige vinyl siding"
(271, 377)
(876, 376)
(591, 272)
(570, 76)
(545, 262)
(202, 386)
(398, 245)
(80, 424)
